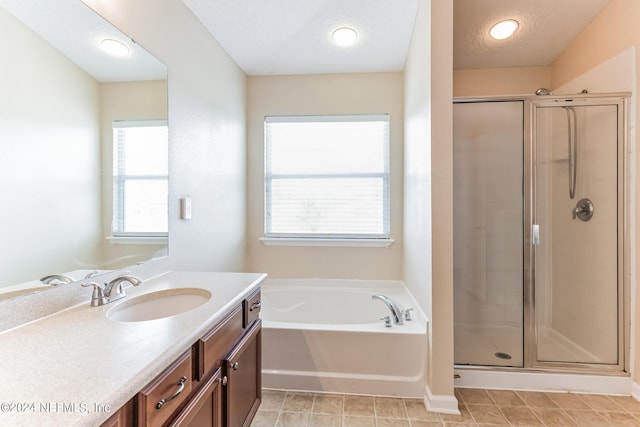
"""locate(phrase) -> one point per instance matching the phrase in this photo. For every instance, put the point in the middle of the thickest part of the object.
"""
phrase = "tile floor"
(478, 407)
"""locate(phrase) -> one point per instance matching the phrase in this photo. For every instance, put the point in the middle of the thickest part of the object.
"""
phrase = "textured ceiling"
(74, 29)
(546, 28)
(293, 36)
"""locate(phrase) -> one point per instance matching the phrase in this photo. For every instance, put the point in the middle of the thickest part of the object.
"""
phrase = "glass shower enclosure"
(538, 232)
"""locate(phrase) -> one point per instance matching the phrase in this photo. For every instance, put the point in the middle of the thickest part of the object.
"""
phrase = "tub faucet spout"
(396, 313)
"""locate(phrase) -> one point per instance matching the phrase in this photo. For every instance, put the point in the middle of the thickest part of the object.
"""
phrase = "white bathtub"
(326, 336)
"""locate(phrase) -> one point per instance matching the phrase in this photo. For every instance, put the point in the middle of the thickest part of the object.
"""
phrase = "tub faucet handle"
(387, 321)
(406, 313)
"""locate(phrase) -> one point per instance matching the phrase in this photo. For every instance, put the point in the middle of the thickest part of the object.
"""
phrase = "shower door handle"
(535, 234)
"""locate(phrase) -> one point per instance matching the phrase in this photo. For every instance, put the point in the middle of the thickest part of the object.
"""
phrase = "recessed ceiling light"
(344, 36)
(114, 47)
(504, 29)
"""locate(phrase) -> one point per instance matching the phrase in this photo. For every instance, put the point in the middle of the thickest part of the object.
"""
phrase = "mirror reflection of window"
(140, 179)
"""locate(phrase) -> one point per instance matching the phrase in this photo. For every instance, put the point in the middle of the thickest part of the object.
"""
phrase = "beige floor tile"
(353, 421)
(487, 414)
(587, 418)
(298, 402)
(568, 401)
(620, 418)
(555, 417)
(359, 406)
(536, 400)
(417, 411)
(387, 407)
(328, 404)
(520, 416)
(627, 403)
(325, 420)
(505, 398)
(293, 419)
(475, 396)
(598, 402)
(464, 417)
(272, 400)
(265, 419)
(420, 423)
(391, 422)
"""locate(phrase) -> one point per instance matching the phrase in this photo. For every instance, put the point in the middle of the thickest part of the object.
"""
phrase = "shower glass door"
(576, 232)
(488, 233)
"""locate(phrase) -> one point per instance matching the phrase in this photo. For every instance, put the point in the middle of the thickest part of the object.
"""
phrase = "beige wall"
(614, 30)
(428, 198)
(207, 145)
(323, 94)
(146, 100)
(49, 161)
(500, 81)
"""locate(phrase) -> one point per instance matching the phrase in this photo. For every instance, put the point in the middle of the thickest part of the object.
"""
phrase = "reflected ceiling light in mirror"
(114, 47)
(344, 36)
(504, 29)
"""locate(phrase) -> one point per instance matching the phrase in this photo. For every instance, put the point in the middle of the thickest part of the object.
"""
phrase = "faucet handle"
(407, 314)
(97, 297)
(387, 321)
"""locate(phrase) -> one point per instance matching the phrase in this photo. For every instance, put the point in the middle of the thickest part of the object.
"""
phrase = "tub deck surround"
(335, 341)
(76, 367)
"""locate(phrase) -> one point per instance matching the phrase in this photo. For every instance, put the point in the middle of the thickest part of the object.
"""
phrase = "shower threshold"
(499, 378)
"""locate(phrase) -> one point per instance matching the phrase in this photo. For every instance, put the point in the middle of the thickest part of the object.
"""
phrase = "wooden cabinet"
(242, 371)
(216, 383)
(205, 408)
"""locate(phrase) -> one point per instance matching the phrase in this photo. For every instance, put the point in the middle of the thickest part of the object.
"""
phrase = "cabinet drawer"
(251, 309)
(216, 343)
(163, 396)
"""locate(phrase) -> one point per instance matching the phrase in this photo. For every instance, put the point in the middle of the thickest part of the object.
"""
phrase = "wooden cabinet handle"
(174, 395)
(235, 366)
(255, 305)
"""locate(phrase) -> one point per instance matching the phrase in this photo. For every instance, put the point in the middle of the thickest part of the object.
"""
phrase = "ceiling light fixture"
(504, 29)
(344, 36)
(114, 47)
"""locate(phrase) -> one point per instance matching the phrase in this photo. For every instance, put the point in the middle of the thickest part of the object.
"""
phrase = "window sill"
(354, 243)
(138, 240)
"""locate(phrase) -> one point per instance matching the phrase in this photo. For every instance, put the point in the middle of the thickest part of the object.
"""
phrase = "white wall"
(428, 203)
(207, 103)
(49, 161)
(324, 94)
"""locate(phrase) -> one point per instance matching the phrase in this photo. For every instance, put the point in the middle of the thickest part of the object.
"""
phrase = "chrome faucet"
(396, 312)
(56, 280)
(112, 291)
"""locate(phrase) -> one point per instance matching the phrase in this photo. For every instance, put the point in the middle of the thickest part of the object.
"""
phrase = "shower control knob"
(583, 210)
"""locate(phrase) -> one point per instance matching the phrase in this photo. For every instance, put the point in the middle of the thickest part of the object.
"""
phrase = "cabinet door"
(243, 372)
(205, 407)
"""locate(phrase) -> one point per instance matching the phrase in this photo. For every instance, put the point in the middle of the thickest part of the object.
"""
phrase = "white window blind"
(327, 176)
(140, 178)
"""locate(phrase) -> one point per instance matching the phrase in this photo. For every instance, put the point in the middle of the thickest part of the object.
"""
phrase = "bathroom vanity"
(201, 367)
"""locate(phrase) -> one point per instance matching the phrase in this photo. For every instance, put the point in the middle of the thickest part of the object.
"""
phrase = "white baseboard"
(444, 404)
(635, 391)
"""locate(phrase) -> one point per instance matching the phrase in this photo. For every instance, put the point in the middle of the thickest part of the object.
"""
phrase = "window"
(327, 177)
(140, 178)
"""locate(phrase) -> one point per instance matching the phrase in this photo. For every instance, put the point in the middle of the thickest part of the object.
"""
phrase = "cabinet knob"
(224, 380)
(235, 366)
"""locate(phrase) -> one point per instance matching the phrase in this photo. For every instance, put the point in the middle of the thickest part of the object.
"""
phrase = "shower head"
(542, 91)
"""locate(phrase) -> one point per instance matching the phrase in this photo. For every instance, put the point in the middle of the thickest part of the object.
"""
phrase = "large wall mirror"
(60, 96)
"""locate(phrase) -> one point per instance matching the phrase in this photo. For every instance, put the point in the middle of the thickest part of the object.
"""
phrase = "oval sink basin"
(160, 304)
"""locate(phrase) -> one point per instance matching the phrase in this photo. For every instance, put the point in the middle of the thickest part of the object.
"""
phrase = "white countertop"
(67, 368)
